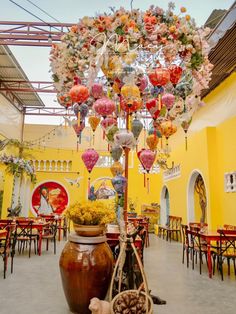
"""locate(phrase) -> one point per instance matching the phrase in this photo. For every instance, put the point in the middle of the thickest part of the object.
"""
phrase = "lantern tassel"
(186, 142)
(78, 118)
(148, 186)
(93, 138)
(88, 185)
(77, 148)
(159, 101)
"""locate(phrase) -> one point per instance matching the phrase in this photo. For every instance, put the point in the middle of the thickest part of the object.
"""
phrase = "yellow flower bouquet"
(90, 213)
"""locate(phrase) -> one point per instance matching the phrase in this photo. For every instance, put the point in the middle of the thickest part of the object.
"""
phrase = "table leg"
(59, 233)
(40, 241)
(209, 262)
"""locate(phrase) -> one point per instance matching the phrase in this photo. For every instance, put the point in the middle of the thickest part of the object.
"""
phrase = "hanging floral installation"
(132, 65)
(18, 166)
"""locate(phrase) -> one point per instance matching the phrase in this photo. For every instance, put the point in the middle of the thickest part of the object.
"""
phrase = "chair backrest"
(185, 235)
(23, 227)
(193, 225)
(229, 227)
(5, 223)
(227, 241)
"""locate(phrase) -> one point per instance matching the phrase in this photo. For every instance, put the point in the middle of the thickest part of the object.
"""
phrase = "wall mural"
(199, 187)
(49, 197)
(102, 189)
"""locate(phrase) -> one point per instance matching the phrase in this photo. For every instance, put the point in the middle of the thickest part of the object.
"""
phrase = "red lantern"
(159, 76)
(79, 93)
(64, 100)
(104, 106)
(175, 73)
(154, 107)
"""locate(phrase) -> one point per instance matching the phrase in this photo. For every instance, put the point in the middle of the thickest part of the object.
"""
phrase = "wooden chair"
(187, 247)
(226, 250)
(9, 225)
(5, 249)
(24, 235)
(50, 233)
(199, 247)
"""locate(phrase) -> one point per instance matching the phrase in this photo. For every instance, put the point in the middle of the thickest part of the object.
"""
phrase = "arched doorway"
(196, 198)
(165, 206)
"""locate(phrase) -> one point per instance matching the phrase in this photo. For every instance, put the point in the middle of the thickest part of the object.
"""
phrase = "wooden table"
(208, 237)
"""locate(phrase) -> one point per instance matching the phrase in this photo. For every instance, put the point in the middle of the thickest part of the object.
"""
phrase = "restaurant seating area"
(117, 157)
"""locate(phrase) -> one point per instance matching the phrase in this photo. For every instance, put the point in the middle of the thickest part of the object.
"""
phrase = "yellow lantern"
(152, 141)
(117, 168)
(94, 122)
(168, 128)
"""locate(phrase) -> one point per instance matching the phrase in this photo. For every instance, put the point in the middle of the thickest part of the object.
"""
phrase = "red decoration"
(159, 76)
(175, 73)
(104, 106)
(153, 107)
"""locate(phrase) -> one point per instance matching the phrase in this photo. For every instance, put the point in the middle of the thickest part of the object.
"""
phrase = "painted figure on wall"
(48, 198)
(45, 206)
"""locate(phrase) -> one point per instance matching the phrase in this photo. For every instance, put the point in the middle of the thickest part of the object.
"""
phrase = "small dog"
(97, 306)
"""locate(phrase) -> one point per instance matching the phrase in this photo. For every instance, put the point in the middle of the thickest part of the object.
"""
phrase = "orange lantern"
(116, 169)
(175, 73)
(94, 122)
(152, 141)
(64, 100)
(79, 93)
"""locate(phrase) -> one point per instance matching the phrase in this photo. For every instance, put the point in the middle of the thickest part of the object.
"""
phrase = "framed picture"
(49, 197)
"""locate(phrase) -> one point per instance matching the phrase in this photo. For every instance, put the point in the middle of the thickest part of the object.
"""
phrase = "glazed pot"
(89, 230)
(86, 266)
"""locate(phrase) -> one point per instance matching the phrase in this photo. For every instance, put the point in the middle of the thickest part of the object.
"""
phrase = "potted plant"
(90, 217)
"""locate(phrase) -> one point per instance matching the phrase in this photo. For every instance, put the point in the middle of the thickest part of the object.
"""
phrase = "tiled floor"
(35, 286)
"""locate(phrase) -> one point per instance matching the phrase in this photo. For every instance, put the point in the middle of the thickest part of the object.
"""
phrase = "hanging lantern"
(111, 133)
(147, 158)
(116, 152)
(168, 129)
(136, 128)
(78, 93)
(83, 111)
(175, 73)
(168, 100)
(154, 107)
(78, 128)
(108, 122)
(125, 139)
(159, 76)
(64, 100)
(155, 131)
(185, 125)
(90, 158)
(116, 168)
(104, 106)
(130, 107)
(152, 141)
(94, 122)
(97, 90)
(142, 83)
(119, 183)
(131, 100)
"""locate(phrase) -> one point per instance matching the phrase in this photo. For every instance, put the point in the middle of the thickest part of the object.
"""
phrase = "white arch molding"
(190, 196)
(163, 213)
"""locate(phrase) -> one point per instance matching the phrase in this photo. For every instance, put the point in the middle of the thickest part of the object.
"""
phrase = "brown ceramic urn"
(86, 266)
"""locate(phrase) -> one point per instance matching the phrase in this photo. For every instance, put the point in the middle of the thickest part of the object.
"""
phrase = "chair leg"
(54, 245)
(183, 255)
(228, 262)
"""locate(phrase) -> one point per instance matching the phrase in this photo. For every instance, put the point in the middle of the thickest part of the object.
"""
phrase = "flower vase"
(89, 230)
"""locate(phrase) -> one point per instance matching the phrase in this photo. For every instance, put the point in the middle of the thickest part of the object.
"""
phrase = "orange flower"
(187, 17)
(183, 9)
(172, 29)
(74, 29)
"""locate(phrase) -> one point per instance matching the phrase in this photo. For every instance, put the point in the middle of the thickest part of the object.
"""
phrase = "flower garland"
(18, 166)
(106, 41)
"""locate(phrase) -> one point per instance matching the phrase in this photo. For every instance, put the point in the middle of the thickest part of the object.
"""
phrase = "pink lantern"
(147, 158)
(78, 128)
(125, 139)
(108, 122)
(97, 90)
(90, 157)
(104, 106)
(168, 100)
